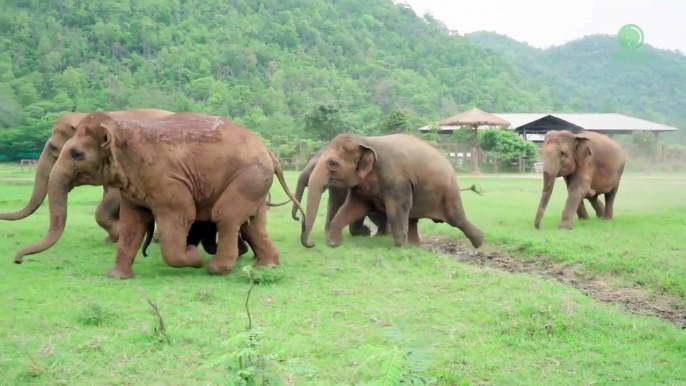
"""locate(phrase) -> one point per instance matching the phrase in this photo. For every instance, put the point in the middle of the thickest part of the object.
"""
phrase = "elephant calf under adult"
(336, 199)
(590, 163)
(175, 170)
(398, 174)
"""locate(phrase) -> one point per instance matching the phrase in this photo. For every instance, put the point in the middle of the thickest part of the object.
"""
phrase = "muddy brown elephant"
(167, 171)
(335, 201)
(399, 174)
(590, 163)
(107, 212)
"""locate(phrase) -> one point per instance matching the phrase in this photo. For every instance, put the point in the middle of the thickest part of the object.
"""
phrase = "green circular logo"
(630, 36)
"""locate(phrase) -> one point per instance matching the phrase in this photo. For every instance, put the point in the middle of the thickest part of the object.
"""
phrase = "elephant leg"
(174, 224)
(197, 232)
(230, 213)
(256, 234)
(581, 211)
(597, 205)
(209, 238)
(336, 199)
(456, 217)
(107, 215)
(379, 219)
(135, 222)
(398, 204)
(610, 203)
(576, 193)
(353, 209)
(413, 232)
(357, 228)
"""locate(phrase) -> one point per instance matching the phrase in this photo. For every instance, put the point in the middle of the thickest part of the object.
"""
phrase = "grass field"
(333, 316)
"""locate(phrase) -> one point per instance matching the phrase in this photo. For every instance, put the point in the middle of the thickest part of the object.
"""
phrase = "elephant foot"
(264, 263)
(193, 256)
(585, 218)
(218, 267)
(565, 225)
(110, 239)
(120, 273)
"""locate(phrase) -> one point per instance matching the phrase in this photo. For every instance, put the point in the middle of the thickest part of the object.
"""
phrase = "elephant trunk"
(58, 189)
(549, 176)
(40, 188)
(299, 190)
(318, 182)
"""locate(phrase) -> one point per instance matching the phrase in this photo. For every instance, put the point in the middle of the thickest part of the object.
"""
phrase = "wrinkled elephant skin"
(166, 170)
(397, 174)
(336, 199)
(591, 164)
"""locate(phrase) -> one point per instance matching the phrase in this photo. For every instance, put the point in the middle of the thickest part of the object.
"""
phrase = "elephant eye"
(76, 155)
(333, 164)
(563, 153)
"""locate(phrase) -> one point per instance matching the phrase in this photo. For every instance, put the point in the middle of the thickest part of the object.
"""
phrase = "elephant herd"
(200, 178)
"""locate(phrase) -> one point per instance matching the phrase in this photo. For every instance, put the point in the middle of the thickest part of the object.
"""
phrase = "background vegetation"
(274, 65)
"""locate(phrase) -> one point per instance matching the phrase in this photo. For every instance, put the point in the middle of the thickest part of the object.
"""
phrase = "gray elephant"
(590, 163)
(336, 199)
(398, 174)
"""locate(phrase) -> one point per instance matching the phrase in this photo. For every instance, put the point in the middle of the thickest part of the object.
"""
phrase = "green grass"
(64, 322)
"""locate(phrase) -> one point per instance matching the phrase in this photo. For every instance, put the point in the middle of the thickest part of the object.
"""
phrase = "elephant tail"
(148, 238)
(279, 174)
(474, 189)
(269, 201)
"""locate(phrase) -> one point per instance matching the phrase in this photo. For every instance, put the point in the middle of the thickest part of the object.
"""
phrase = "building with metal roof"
(533, 126)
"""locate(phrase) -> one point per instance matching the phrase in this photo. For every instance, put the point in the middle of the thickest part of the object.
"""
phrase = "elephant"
(399, 174)
(204, 232)
(590, 163)
(167, 170)
(107, 212)
(336, 199)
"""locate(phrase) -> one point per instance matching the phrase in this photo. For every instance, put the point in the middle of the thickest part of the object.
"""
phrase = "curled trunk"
(299, 190)
(549, 176)
(318, 182)
(40, 188)
(58, 189)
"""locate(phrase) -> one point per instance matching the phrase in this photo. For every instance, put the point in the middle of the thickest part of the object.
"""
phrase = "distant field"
(326, 311)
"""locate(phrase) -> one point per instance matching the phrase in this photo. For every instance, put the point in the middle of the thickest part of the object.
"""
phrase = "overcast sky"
(543, 23)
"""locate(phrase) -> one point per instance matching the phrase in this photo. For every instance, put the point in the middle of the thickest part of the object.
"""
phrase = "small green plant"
(93, 314)
(404, 362)
(247, 362)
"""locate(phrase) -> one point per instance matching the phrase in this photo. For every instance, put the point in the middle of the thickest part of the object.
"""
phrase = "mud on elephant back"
(398, 174)
(141, 158)
(591, 164)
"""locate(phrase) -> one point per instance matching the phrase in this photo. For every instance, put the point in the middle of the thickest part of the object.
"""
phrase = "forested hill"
(595, 74)
(266, 63)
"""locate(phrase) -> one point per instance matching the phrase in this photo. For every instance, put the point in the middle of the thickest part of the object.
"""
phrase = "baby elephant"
(204, 232)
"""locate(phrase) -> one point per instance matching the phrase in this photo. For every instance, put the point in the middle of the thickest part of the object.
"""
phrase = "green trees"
(266, 64)
(506, 145)
(395, 122)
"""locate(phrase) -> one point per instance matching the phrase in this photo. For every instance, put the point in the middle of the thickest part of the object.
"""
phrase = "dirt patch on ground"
(636, 300)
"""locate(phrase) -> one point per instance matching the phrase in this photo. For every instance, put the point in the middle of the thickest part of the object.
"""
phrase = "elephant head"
(63, 129)
(562, 153)
(344, 164)
(85, 160)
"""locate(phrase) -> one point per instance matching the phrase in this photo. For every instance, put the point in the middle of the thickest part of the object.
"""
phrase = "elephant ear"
(107, 129)
(583, 148)
(366, 162)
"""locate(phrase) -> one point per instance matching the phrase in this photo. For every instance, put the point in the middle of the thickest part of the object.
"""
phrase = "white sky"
(543, 23)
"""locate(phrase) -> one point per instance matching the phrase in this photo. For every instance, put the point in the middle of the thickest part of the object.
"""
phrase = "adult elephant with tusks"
(336, 199)
(590, 163)
(398, 174)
